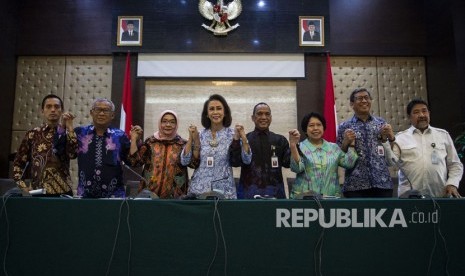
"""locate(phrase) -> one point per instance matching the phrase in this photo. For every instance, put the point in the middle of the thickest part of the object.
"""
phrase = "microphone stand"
(145, 193)
(213, 194)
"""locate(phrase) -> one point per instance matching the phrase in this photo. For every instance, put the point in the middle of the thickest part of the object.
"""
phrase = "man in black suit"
(311, 34)
(130, 34)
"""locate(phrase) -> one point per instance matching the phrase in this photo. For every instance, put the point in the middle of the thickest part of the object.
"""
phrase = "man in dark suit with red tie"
(130, 34)
(312, 34)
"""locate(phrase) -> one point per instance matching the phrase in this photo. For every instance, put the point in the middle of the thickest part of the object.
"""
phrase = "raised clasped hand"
(68, 118)
(136, 131)
(193, 132)
(239, 131)
(349, 136)
(386, 132)
(294, 136)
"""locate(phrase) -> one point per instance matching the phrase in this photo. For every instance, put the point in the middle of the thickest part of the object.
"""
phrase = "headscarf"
(159, 134)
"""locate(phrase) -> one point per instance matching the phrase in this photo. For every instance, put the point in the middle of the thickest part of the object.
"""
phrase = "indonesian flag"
(126, 103)
(123, 26)
(329, 109)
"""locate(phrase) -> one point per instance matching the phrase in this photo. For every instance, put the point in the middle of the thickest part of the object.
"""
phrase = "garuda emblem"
(220, 14)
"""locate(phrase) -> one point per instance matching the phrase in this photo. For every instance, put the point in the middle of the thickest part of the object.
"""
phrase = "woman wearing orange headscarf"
(159, 155)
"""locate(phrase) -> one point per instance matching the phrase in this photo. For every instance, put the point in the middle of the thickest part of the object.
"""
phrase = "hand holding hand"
(194, 134)
(136, 132)
(67, 120)
(294, 137)
(349, 137)
(239, 132)
(387, 133)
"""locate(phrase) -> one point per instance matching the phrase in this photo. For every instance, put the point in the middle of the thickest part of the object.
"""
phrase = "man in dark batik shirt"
(101, 150)
(263, 176)
(46, 151)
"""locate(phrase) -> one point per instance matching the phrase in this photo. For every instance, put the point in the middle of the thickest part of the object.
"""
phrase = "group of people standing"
(366, 146)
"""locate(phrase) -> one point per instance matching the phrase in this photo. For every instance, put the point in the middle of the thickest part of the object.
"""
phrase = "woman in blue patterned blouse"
(316, 160)
(209, 150)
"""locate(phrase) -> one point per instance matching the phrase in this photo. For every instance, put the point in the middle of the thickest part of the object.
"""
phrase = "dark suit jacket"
(127, 37)
(316, 36)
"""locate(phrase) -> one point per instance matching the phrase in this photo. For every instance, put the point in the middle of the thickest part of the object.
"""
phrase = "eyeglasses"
(105, 111)
(361, 98)
(173, 122)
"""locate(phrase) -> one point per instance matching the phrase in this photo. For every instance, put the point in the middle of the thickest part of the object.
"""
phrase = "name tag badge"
(274, 162)
(380, 150)
(434, 157)
(210, 161)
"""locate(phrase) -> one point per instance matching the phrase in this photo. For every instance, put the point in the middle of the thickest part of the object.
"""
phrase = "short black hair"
(227, 119)
(311, 23)
(414, 102)
(260, 103)
(52, 96)
(306, 119)
(358, 90)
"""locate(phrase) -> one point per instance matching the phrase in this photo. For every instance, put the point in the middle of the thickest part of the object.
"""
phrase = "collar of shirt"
(46, 127)
(109, 131)
(313, 148)
(355, 118)
(413, 130)
(260, 132)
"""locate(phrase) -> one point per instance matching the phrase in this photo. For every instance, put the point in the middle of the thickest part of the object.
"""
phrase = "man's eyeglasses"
(361, 98)
(105, 111)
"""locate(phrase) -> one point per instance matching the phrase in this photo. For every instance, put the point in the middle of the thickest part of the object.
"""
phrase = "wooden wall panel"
(8, 29)
(378, 27)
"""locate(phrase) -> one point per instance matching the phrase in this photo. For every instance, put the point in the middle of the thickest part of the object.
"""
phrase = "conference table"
(61, 236)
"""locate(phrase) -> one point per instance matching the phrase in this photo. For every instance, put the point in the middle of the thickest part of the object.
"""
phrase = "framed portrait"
(129, 31)
(311, 31)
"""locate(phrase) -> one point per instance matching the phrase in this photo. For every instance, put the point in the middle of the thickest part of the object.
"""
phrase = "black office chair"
(6, 184)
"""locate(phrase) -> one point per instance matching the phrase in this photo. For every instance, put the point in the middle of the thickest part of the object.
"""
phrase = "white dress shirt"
(413, 152)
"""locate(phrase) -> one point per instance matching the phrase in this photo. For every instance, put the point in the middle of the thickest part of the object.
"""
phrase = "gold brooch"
(213, 143)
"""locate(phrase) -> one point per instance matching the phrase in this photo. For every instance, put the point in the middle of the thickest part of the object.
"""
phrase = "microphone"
(41, 191)
(213, 194)
(24, 170)
(412, 193)
(308, 195)
(145, 193)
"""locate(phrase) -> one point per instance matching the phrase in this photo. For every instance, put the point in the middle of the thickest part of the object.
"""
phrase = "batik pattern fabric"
(99, 162)
(318, 166)
(260, 177)
(45, 152)
(214, 171)
(163, 170)
(371, 169)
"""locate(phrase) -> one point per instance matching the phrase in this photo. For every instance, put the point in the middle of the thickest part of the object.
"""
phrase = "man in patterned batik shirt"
(101, 150)
(263, 176)
(370, 177)
(46, 151)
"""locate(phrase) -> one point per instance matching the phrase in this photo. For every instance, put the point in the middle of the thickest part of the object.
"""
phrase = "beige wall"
(77, 80)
